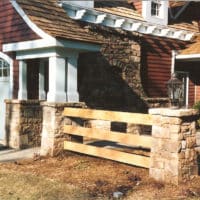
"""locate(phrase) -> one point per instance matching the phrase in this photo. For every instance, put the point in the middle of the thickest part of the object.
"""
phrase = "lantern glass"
(174, 86)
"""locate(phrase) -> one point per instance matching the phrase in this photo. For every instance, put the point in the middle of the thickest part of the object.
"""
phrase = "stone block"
(171, 167)
(174, 128)
(157, 174)
(160, 132)
(191, 142)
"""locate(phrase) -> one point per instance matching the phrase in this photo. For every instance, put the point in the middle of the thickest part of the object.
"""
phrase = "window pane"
(5, 72)
(5, 64)
(4, 68)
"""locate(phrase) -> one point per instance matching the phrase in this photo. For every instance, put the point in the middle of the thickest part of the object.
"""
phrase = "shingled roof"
(52, 19)
(193, 48)
(121, 8)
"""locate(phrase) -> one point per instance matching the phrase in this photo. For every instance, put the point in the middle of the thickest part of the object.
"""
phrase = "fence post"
(53, 136)
(173, 155)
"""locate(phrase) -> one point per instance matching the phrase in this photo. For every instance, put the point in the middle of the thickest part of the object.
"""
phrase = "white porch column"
(56, 80)
(72, 80)
(42, 93)
(22, 92)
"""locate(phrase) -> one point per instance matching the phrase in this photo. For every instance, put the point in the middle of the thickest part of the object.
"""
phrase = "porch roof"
(192, 52)
(52, 19)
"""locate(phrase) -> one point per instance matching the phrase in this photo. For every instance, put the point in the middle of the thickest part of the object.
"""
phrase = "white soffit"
(90, 15)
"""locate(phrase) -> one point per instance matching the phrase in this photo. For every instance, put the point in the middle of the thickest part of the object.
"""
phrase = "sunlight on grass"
(29, 187)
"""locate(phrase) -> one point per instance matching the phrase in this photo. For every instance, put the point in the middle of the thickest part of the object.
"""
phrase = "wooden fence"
(99, 134)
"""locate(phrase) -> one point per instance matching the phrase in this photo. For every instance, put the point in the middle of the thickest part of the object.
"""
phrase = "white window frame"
(162, 18)
(156, 11)
(7, 59)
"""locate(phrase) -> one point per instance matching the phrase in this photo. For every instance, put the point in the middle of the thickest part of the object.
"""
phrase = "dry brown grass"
(76, 176)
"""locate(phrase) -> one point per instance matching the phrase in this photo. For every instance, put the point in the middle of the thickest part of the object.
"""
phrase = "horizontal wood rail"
(133, 118)
(111, 154)
(125, 138)
(113, 136)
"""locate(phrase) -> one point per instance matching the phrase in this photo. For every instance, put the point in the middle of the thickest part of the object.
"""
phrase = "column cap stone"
(173, 112)
(64, 104)
(22, 102)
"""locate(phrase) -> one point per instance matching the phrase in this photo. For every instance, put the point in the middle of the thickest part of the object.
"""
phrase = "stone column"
(22, 93)
(53, 138)
(173, 155)
(42, 93)
(23, 123)
(56, 80)
(72, 80)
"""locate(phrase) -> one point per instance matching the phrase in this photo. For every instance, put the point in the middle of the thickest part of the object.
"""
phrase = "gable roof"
(52, 19)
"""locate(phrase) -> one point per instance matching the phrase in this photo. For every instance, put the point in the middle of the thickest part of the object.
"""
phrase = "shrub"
(197, 105)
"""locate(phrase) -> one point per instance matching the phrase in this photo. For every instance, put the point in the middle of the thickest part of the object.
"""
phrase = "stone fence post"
(53, 137)
(173, 155)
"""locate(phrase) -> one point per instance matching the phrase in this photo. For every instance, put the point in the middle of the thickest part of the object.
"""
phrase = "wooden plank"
(111, 154)
(125, 138)
(135, 118)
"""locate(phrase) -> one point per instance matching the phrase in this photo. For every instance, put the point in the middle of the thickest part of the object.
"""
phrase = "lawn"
(74, 176)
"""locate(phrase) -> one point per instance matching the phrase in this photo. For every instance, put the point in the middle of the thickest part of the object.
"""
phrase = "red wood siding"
(156, 63)
(137, 5)
(197, 90)
(13, 29)
(12, 26)
(191, 95)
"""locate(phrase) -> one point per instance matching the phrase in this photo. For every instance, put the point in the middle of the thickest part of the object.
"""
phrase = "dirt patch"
(99, 178)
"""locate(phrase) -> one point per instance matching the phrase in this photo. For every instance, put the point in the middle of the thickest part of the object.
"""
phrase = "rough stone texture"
(23, 123)
(53, 136)
(111, 78)
(173, 155)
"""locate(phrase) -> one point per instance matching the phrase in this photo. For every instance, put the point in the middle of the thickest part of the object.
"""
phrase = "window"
(4, 69)
(155, 7)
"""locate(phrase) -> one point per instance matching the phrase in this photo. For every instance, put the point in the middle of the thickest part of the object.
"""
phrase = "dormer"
(155, 11)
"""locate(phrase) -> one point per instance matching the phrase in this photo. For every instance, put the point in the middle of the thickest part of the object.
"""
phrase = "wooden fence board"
(125, 138)
(135, 118)
(111, 154)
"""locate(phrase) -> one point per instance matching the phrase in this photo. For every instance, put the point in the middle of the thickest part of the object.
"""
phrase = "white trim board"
(44, 43)
(188, 57)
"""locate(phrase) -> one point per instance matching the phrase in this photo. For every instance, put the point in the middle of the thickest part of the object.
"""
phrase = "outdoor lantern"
(174, 86)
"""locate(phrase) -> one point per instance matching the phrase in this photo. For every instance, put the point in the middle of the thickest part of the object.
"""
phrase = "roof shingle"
(52, 19)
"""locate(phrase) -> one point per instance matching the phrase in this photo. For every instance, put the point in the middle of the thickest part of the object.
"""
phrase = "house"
(109, 54)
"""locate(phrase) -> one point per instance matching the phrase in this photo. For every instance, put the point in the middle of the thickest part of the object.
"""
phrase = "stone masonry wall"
(23, 123)
(111, 78)
(173, 155)
(53, 136)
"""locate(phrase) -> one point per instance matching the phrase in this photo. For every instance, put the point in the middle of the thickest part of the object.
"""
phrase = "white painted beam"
(150, 29)
(136, 26)
(129, 24)
(45, 44)
(100, 18)
(80, 14)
